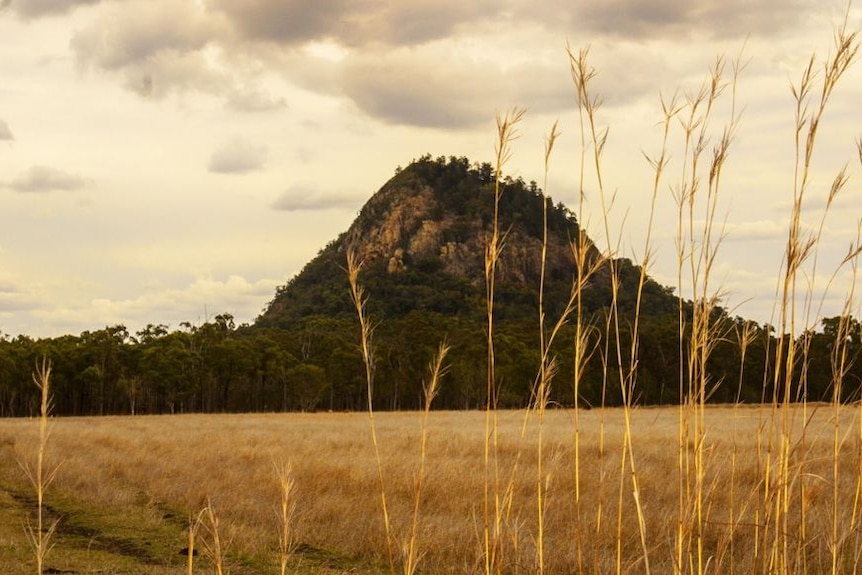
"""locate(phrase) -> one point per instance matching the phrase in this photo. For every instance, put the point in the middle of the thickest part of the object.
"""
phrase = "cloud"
(410, 23)
(132, 32)
(14, 302)
(31, 9)
(393, 23)
(255, 100)
(157, 47)
(237, 156)
(5, 132)
(203, 293)
(398, 91)
(760, 230)
(287, 22)
(669, 19)
(224, 48)
(427, 63)
(306, 198)
(193, 302)
(44, 179)
(353, 23)
(436, 87)
(15, 298)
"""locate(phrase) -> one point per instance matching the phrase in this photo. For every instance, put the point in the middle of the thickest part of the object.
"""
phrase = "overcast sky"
(168, 160)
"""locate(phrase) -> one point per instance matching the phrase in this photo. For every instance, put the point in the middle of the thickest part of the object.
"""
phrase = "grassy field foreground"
(127, 488)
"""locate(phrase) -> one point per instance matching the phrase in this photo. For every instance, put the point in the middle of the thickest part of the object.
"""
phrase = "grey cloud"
(303, 198)
(400, 74)
(427, 90)
(671, 19)
(421, 21)
(14, 303)
(363, 23)
(170, 72)
(418, 89)
(352, 22)
(412, 101)
(135, 32)
(43, 179)
(14, 298)
(237, 156)
(156, 48)
(5, 132)
(37, 8)
(286, 21)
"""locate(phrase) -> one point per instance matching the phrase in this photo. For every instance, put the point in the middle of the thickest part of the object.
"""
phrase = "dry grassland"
(156, 472)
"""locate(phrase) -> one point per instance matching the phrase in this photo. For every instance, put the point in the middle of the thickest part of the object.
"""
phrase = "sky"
(164, 161)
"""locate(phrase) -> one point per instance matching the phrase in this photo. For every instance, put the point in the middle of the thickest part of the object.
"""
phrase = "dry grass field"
(127, 487)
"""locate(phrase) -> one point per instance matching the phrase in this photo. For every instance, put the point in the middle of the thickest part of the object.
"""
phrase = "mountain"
(422, 239)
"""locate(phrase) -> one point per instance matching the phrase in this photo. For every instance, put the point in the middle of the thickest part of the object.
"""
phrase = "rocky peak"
(416, 218)
(422, 238)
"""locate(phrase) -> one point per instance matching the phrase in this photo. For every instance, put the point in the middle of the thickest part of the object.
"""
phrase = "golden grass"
(39, 474)
(174, 465)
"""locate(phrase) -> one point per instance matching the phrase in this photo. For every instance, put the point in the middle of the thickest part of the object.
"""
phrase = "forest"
(218, 367)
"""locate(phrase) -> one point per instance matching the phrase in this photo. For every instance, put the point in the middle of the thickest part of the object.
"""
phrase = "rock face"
(401, 219)
(409, 221)
(426, 231)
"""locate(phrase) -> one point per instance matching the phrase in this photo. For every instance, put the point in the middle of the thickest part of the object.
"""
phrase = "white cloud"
(44, 179)
(205, 296)
(237, 156)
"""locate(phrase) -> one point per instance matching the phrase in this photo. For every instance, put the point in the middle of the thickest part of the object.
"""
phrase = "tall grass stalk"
(437, 370)
(366, 330)
(588, 262)
(588, 106)
(286, 512)
(840, 364)
(745, 335)
(194, 526)
(857, 499)
(696, 252)
(547, 367)
(214, 546)
(582, 74)
(800, 248)
(493, 496)
(40, 477)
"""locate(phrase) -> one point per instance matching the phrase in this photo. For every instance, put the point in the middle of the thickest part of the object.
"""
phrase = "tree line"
(218, 366)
